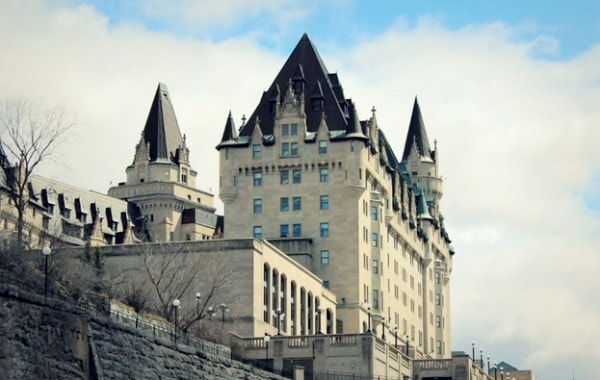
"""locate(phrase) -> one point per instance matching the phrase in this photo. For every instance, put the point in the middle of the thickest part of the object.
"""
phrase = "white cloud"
(516, 135)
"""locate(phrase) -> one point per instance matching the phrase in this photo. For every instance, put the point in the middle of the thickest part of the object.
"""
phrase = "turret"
(421, 162)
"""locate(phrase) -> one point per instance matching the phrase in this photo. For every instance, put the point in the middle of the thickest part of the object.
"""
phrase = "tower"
(306, 174)
(162, 182)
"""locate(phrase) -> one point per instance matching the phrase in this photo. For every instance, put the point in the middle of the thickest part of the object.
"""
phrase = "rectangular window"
(256, 151)
(284, 230)
(324, 175)
(324, 202)
(257, 206)
(257, 178)
(294, 149)
(374, 239)
(297, 175)
(438, 321)
(257, 232)
(297, 230)
(297, 203)
(324, 229)
(325, 257)
(293, 129)
(285, 149)
(285, 129)
(438, 300)
(375, 267)
(375, 299)
(374, 213)
(322, 147)
(284, 177)
(284, 204)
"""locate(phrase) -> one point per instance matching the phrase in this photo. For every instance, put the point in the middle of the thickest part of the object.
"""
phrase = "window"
(285, 149)
(257, 178)
(438, 300)
(374, 239)
(297, 230)
(256, 151)
(285, 129)
(324, 229)
(293, 129)
(297, 175)
(257, 206)
(284, 204)
(324, 202)
(284, 177)
(257, 231)
(325, 257)
(374, 213)
(297, 203)
(326, 285)
(438, 321)
(437, 277)
(184, 175)
(375, 299)
(375, 266)
(324, 175)
(322, 147)
(284, 230)
(294, 149)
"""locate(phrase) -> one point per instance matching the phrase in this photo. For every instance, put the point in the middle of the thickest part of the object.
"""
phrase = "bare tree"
(173, 272)
(29, 135)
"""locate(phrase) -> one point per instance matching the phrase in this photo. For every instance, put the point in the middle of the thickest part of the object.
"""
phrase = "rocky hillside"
(52, 339)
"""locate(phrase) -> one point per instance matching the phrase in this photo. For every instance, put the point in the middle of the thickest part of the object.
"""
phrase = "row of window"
(284, 204)
(284, 229)
(288, 149)
(284, 176)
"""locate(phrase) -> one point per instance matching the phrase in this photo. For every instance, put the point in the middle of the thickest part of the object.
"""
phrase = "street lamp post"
(198, 304)
(211, 311)
(383, 330)
(46, 251)
(266, 339)
(495, 371)
(473, 350)
(224, 309)
(176, 310)
(481, 357)
(369, 319)
(488, 362)
(395, 336)
(319, 311)
(406, 344)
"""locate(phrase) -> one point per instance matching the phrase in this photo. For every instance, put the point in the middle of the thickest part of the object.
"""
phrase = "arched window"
(283, 302)
(266, 275)
(293, 305)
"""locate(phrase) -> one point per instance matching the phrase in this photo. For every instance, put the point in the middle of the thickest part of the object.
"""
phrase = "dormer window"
(184, 175)
(317, 104)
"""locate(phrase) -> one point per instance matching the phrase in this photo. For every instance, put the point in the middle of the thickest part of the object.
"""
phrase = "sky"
(509, 89)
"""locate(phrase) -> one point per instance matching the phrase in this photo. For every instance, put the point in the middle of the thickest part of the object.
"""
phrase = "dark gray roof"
(230, 133)
(305, 69)
(161, 129)
(417, 134)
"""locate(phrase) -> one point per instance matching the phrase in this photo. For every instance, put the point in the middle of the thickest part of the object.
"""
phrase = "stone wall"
(55, 340)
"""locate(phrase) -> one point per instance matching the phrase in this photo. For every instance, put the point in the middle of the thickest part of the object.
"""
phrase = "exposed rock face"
(56, 340)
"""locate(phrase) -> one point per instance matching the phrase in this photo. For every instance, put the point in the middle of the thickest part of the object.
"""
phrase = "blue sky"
(509, 89)
(573, 24)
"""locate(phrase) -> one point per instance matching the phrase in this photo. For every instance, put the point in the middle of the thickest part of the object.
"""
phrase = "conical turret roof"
(417, 134)
(161, 129)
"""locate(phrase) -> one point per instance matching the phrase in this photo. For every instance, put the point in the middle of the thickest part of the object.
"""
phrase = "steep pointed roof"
(304, 64)
(230, 133)
(416, 134)
(161, 129)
